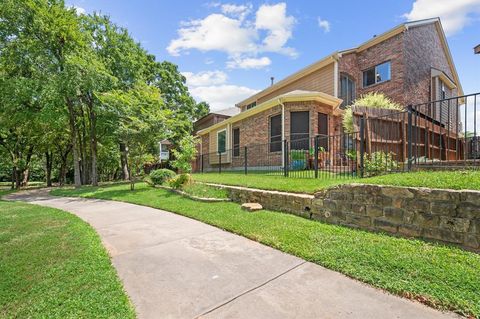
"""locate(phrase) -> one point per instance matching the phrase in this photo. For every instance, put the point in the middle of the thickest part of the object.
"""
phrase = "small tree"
(185, 154)
(371, 100)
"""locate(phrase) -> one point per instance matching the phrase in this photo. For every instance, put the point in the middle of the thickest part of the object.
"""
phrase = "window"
(300, 130)
(323, 131)
(276, 133)
(443, 92)
(377, 74)
(347, 89)
(236, 142)
(251, 105)
(221, 141)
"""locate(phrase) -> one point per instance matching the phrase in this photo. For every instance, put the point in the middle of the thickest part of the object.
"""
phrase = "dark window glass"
(369, 77)
(276, 133)
(299, 130)
(377, 74)
(323, 131)
(221, 141)
(236, 142)
(347, 90)
(251, 105)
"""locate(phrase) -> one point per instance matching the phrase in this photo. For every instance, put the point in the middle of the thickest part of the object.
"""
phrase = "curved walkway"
(176, 267)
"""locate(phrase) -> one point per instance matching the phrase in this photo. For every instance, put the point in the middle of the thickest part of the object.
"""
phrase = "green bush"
(297, 155)
(180, 181)
(379, 163)
(160, 176)
(372, 100)
(185, 154)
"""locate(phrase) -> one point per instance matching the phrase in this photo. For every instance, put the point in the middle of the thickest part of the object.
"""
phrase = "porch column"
(283, 133)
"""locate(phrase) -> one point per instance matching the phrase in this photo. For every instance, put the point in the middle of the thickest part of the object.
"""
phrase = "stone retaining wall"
(443, 215)
(297, 204)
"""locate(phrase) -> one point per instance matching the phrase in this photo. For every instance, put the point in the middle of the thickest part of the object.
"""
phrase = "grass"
(433, 179)
(442, 276)
(271, 182)
(205, 191)
(53, 265)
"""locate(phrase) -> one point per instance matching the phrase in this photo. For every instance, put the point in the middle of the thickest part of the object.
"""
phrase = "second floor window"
(251, 105)
(378, 74)
(347, 90)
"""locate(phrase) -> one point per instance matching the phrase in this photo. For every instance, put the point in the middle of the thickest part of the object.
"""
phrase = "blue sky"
(229, 50)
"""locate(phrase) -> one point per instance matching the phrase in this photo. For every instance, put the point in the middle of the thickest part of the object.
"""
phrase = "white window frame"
(226, 141)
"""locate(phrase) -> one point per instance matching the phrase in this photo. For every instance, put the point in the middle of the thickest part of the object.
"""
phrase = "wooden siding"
(213, 157)
(320, 80)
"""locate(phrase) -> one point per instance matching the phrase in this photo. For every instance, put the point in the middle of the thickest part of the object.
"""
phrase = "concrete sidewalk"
(176, 267)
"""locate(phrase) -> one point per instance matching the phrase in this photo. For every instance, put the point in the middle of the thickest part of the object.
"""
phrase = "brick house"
(410, 63)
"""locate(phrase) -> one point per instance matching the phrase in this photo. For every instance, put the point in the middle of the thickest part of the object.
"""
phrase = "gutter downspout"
(335, 78)
(283, 131)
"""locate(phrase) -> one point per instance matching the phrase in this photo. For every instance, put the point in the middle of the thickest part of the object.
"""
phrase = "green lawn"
(272, 182)
(447, 277)
(53, 265)
(432, 179)
(205, 191)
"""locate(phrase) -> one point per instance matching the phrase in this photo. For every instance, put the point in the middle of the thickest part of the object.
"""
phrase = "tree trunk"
(73, 136)
(62, 179)
(124, 161)
(93, 142)
(14, 174)
(26, 170)
(48, 166)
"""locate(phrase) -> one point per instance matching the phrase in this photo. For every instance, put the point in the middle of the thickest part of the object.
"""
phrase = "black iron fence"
(437, 134)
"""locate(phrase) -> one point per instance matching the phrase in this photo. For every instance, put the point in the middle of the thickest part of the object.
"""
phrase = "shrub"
(379, 163)
(372, 100)
(297, 155)
(160, 176)
(185, 154)
(180, 181)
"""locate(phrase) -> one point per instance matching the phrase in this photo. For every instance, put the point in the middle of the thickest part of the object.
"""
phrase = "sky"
(230, 50)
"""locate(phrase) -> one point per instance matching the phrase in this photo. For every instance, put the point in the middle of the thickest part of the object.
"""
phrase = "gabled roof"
(292, 96)
(374, 41)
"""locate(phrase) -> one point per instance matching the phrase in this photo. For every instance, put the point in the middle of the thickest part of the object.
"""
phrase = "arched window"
(347, 89)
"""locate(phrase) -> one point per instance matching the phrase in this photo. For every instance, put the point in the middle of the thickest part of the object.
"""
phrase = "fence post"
(246, 158)
(409, 138)
(285, 158)
(315, 153)
(362, 145)
(202, 161)
(219, 163)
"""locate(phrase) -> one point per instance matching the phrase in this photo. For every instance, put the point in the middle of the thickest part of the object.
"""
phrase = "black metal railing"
(437, 134)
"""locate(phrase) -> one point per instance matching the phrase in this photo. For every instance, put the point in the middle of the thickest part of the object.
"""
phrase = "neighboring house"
(410, 63)
(214, 118)
(164, 148)
(477, 49)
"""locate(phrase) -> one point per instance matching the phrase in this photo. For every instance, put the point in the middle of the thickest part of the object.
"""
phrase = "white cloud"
(205, 78)
(236, 32)
(221, 96)
(78, 10)
(455, 14)
(212, 87)
(239, 11)
(249, 63)
(215, 32)
(279, 26)
(324, 24)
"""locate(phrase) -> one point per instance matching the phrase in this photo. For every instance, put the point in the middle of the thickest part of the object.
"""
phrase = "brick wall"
(443, 215)
(354, 64)
(423, 50)
(255, 133)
